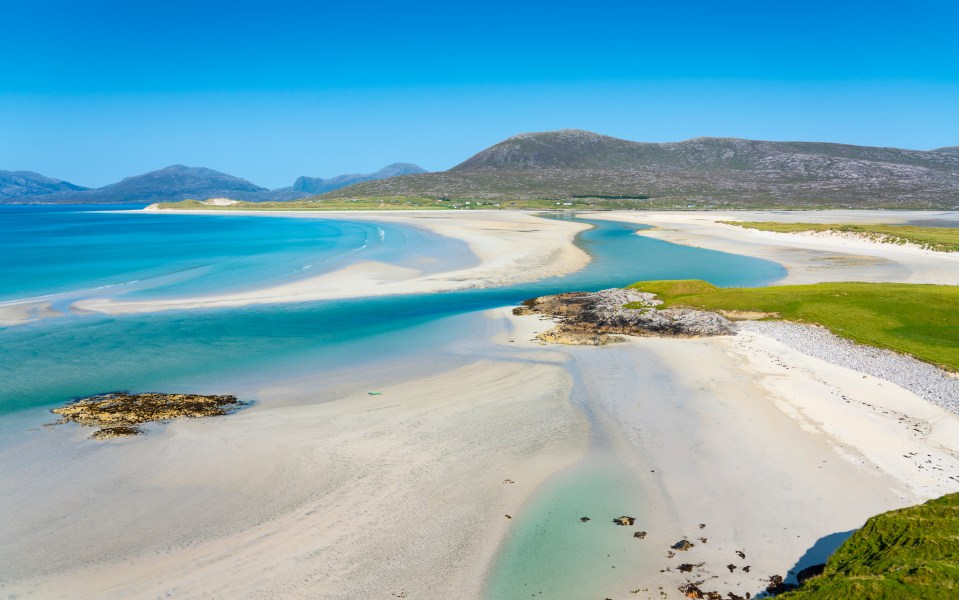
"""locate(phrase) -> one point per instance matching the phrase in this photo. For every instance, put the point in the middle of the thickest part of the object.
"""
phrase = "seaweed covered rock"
(119, 414)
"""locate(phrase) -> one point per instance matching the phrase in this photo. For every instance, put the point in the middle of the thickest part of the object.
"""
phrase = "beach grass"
(907, 553)
(940, 239)
(916, 319)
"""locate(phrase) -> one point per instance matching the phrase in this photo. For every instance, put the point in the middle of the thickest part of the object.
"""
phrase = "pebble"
(922, 379)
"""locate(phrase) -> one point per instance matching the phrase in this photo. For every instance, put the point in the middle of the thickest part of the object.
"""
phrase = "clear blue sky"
(93, 91)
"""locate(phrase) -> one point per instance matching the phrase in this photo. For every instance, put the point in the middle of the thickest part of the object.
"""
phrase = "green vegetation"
(410, 203)
(908, 553)
(915, 319)
(386, 203)
(941, 239)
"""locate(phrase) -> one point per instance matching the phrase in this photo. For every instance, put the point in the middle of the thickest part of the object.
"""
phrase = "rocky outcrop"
(596, 318)
(119, 414)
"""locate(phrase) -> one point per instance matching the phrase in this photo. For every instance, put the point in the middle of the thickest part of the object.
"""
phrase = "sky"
(93, 91)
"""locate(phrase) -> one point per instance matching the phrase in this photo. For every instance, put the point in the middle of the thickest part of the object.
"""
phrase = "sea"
(66, 253)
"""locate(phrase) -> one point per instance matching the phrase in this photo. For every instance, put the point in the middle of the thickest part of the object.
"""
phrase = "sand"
(512, 247)
(779, 454)
(807, 258)
(399, 495)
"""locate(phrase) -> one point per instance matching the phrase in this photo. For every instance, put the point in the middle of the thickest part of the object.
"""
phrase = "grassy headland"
(915, 319)
(907, 553)
(940, 239)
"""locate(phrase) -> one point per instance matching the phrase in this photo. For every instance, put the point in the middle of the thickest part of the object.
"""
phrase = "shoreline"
(357, 496)
(807, 259)
(510, 247)
(778, 452)
(312, 493)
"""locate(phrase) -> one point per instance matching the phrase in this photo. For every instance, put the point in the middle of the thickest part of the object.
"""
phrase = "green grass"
(920, 320)
(409, 203)
(941, 239)
(907, 553)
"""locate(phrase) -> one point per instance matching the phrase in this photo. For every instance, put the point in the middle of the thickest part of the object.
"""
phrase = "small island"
(120, 414)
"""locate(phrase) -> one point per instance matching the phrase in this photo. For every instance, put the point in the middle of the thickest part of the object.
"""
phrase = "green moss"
(907, 553)
(915, 319)
(941, 239)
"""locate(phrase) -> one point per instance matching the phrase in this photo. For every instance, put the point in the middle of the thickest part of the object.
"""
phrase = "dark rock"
(119, 413)
(810, 572)
(777, 585)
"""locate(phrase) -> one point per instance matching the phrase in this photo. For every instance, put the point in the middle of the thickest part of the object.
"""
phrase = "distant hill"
(27, 184)
(726, 172)
(949, 149)
(176, 182)
(316, 185)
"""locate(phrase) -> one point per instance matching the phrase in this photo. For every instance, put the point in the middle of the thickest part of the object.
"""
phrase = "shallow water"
(82, 251)
(52, 360)
(550, 553)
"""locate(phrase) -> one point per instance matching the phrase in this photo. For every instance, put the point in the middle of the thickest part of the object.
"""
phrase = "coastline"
(358, 496)
(406, 494)
(807, 258)
(511, 247)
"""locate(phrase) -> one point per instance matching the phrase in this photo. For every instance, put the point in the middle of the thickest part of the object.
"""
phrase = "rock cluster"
(594, 318)
(119, 414)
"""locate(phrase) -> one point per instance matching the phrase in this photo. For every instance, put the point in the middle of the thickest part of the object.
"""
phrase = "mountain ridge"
(169, 184)
(318, 185)
(728, 172)
(17, 184)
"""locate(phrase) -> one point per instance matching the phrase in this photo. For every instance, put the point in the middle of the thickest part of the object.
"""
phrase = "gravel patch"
(922, 379)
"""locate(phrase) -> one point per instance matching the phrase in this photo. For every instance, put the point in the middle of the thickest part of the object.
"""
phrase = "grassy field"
(920, 320)
(909, 553)
(941, 239)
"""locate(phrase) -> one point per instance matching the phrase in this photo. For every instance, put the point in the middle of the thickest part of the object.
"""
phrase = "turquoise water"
(50, 361)
(49, 250)
(552, 554)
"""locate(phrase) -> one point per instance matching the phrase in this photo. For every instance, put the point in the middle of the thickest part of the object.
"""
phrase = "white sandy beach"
(808, 258)
(403, 495)
(360, 497)
(511, 247)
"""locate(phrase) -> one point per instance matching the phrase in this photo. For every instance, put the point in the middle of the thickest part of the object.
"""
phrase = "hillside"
(317, 185)
(697, 172)
(908, 553)
(27, 184)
